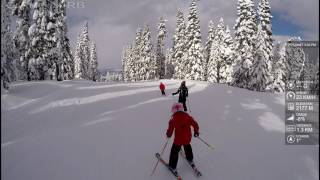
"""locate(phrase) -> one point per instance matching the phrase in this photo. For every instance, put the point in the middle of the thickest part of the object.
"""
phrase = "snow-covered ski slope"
(80, 130)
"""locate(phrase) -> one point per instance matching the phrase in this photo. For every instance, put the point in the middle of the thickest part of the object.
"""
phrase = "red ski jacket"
(162, 87)
(180, 123)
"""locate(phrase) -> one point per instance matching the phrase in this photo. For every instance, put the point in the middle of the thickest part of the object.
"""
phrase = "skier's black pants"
(163, 93)
(184, 105)
(174, 154)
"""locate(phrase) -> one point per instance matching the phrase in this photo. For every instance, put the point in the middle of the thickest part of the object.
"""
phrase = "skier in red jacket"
(180, 123)
(162, 88)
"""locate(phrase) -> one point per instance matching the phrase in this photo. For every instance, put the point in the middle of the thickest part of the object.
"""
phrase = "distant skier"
(180, 123)
(183, 94)
(162, 88)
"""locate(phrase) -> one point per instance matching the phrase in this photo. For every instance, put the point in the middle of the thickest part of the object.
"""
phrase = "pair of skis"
(175, 173)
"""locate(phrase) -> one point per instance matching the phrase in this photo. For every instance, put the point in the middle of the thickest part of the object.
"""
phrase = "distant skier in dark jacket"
(162, 88)
(183, 94)
(181, 123)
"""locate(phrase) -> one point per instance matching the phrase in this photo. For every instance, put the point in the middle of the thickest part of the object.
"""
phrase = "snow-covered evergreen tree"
(179, 47)
(211, 35)
(220, 55)
(228, 54)
(309, 75)
(39, 36)
(213, 64)
(147, 62)
(60, 54)
(85, 51)
(9, 71)
(169, 63)
(260, 77)
(127, 63)
(195, 62)
(93, 63)
(78, 71)
(160, 54)
(136, 62)
(245, 39)
(295, 58)
(265, 31)
(22, 10)
(278, 69)
(124, 62)
(52, 50)
(68, 61)
(82, 54)
(129, 67)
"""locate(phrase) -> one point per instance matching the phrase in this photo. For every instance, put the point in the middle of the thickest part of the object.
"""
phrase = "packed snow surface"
(81, 130)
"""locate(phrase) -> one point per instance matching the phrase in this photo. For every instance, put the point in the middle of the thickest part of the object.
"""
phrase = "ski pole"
(210, 146)
(164, 147)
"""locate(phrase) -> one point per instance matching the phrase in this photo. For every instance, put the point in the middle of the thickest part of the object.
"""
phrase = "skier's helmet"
(183, 83)
(176, 107)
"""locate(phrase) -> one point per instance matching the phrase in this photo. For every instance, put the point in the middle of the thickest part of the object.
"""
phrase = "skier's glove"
(196, 134)
(168, 135)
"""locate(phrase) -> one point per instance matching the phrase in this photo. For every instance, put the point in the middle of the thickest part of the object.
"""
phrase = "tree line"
(246, 60)
(38, 48)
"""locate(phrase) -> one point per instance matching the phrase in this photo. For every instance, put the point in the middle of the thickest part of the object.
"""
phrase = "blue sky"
(284, 27)
(113, 23)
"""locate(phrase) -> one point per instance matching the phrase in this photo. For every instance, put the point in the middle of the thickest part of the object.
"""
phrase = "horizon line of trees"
(38, 48)
(247, 60)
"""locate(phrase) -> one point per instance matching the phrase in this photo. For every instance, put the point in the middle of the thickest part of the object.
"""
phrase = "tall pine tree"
(85, 51)
(179, 47)
(220, 55)
(278, 69)
(93, 63)
(82, 54)
(211, 35)
(160, 54)
(295, 57)
(147, 59)
(169, 64)
(9, 71)
(22, 10)
(245, 43)
(39, 37)
(195, 62)
(78, 71)
(135, 74)
(265, 30)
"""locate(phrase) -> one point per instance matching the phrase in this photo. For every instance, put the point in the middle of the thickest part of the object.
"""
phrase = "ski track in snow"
(135, 105)
(96, 122)
(193, 89)
(146, 84)
(106, 96)
(3, 145)
(91, 99)
(254, 106)
(60, 84)
(26, 102)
